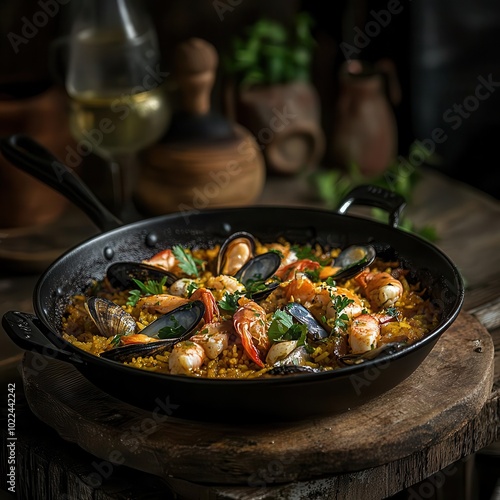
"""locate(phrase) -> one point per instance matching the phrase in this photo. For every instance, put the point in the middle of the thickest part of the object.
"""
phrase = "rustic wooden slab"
(439, 398)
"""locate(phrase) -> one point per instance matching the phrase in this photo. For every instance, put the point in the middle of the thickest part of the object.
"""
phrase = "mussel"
(235, 252)
(352, 260)
(383, 350)
(256, 272)
(169, 329)
(109, 317)
(121, 274)
(302, 315)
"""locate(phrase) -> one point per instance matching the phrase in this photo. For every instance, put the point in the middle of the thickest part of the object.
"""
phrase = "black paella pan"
(279, 398)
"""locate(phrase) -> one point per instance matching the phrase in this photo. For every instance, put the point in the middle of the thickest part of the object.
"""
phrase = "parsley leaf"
(115, 341)
(173, 331)
(313, 274)
(392, 311)
(191, 288)
(283, 328)
(229, 302)
(150, 287)
(330, 281)
(340, 302)
(186, 261)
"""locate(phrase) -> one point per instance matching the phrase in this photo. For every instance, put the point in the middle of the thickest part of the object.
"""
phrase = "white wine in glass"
(118, 102)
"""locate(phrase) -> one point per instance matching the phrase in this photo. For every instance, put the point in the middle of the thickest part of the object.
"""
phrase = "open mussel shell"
(169, 329)
(121, 274)
(235, 252)
(302, 315)
(383, 350)
(260, 269)
(178, 324)
(352, 260)
(129, 352)
(109, 317)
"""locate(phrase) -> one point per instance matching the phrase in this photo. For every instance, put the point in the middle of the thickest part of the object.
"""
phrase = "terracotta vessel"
(203, 160)
(365, 128)
(38, 110)
(285, 120)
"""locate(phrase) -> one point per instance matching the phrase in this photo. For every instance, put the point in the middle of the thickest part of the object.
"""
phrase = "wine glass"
(118, 103)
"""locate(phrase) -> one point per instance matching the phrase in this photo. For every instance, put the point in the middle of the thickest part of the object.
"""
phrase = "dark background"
(440, 47)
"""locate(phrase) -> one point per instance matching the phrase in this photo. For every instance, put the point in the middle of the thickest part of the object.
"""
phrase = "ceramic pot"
(364, 124)
(285, 120)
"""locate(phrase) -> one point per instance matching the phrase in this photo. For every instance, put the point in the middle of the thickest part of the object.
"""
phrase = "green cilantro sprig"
(229, 302)
(186, 261)
(283, 328)
(340, 302)
(150, 287)
(173, 331)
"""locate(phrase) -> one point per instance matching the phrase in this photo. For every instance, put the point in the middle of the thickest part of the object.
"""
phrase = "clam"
(169, 329)
(302, 315)
(121, 274)
(352, 260)
(109, 317)
(235, 252)
(385, 349)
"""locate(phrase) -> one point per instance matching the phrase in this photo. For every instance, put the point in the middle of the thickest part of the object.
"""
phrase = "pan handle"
(34, 159)
(27, 332)
(375, 196)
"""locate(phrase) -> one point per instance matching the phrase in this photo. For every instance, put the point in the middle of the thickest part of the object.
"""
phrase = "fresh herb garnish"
(306, 252)
(283, 328)
(274, 250)
(229, 302)
(340, 302)
(392, 311)
(255, 285)
(186, 261)
(173, 331)
(150, 287)
(330, 281)
(115, 341)
(190, 289)
(313, 274)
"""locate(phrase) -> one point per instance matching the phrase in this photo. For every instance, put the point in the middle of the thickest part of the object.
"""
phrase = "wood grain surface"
(445, 392)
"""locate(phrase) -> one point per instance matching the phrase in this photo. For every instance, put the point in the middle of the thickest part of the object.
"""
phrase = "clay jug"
(364, 125)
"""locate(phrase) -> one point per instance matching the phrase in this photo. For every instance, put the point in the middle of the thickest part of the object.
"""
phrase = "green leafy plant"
(271, 53)
(333, 185)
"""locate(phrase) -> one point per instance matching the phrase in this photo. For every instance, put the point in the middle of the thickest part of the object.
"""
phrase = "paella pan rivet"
(109, 253)
(151, 239)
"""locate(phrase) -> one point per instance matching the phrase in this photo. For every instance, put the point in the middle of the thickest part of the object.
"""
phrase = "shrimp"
(364, 331)
(320, 299)
(250, 324)
(211, 308)
(136, 338)
(286, 272)
(160, 304)
(164, 303)
(223, 283)
(381, 289)
(186, 356)
(289, 255)
(164, 260)
(214, 338)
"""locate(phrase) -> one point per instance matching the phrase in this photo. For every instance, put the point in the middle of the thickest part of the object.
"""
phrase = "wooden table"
(468, 224)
